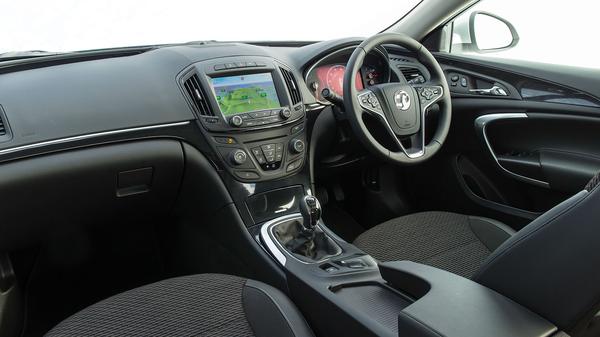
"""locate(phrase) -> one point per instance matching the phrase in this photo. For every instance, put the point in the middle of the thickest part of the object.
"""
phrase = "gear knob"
(310, 208)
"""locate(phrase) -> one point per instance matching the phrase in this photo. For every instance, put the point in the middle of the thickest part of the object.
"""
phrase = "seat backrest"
(552, 266)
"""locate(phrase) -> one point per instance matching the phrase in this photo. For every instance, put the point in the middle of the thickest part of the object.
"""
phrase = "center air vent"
(2, 127)
(412, 75)
(196, 95)
(290, 82)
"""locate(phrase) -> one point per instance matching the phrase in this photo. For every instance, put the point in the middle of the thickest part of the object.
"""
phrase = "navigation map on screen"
(244, 93)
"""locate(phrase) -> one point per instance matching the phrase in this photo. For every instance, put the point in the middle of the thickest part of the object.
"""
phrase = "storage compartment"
(87, 187)
(452, 306)
(379, 302)
(275, 203)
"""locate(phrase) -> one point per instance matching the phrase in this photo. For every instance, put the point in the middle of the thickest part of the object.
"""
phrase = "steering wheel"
(399, 107)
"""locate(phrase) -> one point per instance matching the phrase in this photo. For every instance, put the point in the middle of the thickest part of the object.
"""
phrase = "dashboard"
(244, 105)
(328, 72)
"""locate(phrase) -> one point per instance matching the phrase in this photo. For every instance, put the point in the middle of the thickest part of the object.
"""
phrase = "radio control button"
(285, 113)
(297, 128)
(236, 121)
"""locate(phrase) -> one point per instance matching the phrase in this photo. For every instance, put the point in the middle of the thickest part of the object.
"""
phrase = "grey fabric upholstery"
(197, 305)
(453, 242)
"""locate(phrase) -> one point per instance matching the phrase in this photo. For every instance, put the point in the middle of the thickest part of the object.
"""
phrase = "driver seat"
(454, 242)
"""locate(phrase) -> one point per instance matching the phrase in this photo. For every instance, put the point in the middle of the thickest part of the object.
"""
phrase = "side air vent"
(194, 91)
(412, 75)
(290, 82)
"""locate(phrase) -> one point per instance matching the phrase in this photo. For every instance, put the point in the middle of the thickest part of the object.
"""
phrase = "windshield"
(73, 25)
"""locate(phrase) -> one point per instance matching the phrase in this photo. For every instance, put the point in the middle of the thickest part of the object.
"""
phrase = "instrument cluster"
(329, 72)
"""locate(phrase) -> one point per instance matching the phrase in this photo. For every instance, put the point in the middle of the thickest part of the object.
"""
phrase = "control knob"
(236, 121)
(297, 146)
(238, 157)
(285, 113)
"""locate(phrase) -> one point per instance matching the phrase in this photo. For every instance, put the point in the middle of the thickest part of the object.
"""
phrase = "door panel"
(553, 151)
(514, 156)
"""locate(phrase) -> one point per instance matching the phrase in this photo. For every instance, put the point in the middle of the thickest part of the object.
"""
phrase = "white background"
(67, 25)
(552, 31)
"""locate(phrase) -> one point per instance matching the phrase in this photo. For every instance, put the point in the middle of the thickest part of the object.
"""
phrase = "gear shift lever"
(303, 238)
(310, 208)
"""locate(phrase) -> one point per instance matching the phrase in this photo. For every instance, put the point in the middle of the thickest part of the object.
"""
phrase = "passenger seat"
(196, 305)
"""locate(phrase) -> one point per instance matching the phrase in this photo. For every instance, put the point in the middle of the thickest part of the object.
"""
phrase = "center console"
(251, 111)
(337, 283)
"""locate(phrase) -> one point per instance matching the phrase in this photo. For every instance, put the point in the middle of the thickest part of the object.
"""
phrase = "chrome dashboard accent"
(89, 136)
(481, 124)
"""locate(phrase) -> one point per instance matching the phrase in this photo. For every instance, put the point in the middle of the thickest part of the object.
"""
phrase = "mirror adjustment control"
(236, 121)
(297, 146)
(239, 157)
(285, 113)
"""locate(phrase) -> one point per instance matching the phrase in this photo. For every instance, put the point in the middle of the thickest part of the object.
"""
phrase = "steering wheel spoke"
(417, 145)
(370, 104)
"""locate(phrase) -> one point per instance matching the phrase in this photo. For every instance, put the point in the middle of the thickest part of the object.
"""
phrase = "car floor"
(75, 269)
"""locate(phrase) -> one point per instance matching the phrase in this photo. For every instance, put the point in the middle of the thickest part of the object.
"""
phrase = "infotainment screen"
(244, 93)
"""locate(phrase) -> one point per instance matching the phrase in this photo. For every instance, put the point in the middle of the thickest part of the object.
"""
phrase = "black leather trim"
(551, 265)
(491, 233)
(271, 313)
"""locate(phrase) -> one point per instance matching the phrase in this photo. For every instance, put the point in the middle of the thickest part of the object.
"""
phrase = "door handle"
(493, 91)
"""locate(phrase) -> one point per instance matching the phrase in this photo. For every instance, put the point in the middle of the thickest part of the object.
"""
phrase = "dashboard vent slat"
(2, 127)
(194, 90)
(400, 59)
(412, 75)
(290, 82)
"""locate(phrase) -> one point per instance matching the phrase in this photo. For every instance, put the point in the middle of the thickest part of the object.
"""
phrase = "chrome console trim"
(482, 122)
(89, 136)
